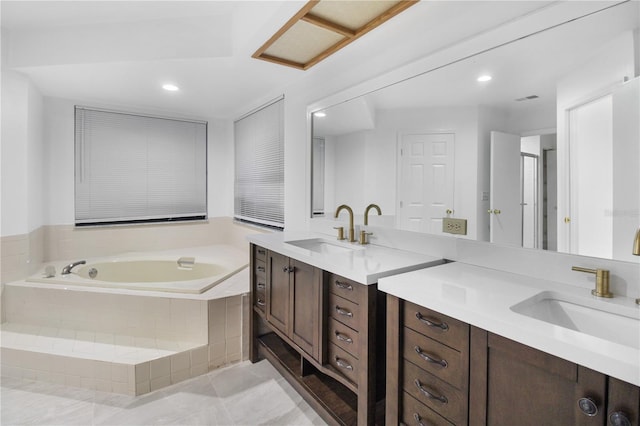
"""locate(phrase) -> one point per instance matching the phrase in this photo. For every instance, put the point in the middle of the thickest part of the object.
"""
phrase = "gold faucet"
(352, 238)
(366, 212)
(602, 281)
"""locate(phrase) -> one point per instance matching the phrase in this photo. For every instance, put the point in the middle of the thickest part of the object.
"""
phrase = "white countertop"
(483, 298)
(365, 264)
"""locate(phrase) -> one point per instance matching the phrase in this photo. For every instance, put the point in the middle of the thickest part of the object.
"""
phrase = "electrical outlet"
(454, 226)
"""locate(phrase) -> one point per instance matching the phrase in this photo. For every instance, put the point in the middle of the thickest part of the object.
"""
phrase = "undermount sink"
(615, 323)
(321, 245)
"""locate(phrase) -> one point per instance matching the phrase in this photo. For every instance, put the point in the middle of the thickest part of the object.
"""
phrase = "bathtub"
(193, 270)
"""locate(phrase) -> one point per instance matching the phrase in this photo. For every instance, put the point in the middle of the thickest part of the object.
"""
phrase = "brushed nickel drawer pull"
(443, 399)
(342, 364)
(343, 311)
(441, 362)
(261, 286)
(260, 268)
(344, 286)
(262, 251)
(443, 325)
(260, 302)
(418, 419)
(343, 337)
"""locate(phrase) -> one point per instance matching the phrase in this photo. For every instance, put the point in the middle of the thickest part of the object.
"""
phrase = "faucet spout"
(352, 238)
(366, 212)
(67, 269)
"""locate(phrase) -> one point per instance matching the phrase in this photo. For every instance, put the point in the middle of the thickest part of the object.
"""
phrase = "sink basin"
(320, 245)
(608, 321)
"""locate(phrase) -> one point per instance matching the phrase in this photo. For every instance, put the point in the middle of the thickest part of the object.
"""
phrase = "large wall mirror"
(535, 143)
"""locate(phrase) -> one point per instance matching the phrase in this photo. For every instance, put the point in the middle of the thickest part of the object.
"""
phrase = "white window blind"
(259, 166)
(132, 168)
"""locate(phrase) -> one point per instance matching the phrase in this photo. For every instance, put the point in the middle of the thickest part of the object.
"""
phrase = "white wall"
(59, 152)
(22, 155)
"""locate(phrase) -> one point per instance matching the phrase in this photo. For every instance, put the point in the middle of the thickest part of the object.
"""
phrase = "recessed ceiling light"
(170, 87)
(320, 114)
(484, 78)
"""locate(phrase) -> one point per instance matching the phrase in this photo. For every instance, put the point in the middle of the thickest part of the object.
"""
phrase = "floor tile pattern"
(242, 394)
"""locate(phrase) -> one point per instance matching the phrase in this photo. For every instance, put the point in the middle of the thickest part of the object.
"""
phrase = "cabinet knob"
(619, 418)
(588, 407)
(288, 269)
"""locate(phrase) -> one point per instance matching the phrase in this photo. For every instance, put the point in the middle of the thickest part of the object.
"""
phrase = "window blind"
(134, 168)
(259, 166)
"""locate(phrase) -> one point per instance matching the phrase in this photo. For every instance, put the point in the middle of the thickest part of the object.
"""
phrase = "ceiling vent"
(527, 98)
(322, 27)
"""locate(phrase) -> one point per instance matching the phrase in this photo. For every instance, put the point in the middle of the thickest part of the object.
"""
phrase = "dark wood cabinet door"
(623, 402)
(525, 386)
(305, 320)
(278, 303)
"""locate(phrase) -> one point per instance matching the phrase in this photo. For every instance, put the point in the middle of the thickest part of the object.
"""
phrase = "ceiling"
(121, 52)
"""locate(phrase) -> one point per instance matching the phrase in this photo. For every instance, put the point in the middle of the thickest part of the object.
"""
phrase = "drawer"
(436, 394)
(260, 299)
(343, 337)
(345, 311)
(260, 253)
(346, 288)
(343, 362)
(436, 358)
(444, 329)
(260, 269)
(418, 414)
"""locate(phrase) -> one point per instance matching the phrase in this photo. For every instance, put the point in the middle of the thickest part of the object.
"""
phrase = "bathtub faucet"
(67, 269)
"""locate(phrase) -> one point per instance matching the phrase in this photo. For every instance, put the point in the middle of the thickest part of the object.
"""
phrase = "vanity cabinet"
(320, 330)
(293, 291)
(442, 371)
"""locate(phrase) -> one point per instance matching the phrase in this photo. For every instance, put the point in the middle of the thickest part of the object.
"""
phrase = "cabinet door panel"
(623, 398)
(278, 291)
(529, 387)
(306, 301)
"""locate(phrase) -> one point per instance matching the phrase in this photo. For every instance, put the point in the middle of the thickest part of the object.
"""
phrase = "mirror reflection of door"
(523, 183)
(591, 178)
(425, 190)
(505, 223)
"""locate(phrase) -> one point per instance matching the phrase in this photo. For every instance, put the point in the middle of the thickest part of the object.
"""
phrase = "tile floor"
(242, 394)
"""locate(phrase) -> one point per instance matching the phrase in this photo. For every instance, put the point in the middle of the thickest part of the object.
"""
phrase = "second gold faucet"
(352, 238)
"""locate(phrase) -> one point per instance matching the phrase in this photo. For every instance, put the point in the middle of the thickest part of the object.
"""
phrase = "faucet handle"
(363, 237)
(340, 232)
(602, 280)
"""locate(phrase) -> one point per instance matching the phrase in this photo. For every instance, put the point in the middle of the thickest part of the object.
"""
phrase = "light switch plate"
(454, 226)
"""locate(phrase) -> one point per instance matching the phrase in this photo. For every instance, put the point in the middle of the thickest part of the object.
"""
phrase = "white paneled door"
(505, 210)
(425, 190)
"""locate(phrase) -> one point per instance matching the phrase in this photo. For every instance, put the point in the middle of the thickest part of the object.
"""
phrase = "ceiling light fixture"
(484, 78)
(322, 27)
(170, 87)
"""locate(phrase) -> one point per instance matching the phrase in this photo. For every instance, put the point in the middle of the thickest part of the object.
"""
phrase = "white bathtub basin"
(321, 245)
(608, 321)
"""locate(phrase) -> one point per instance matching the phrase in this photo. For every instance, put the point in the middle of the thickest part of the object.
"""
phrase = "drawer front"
(418, 414)
(344, 363)
(260, 300)
(343, 337)
(346, 288)
(345, 311)
(260, 253)
(444, 329)
(436, 394)
(436, 358)
(260, 269)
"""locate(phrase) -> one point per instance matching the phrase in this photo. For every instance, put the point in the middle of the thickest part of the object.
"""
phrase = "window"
(259, 166)
(131, 168)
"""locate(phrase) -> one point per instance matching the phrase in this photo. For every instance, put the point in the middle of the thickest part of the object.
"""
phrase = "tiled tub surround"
(122, 341)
